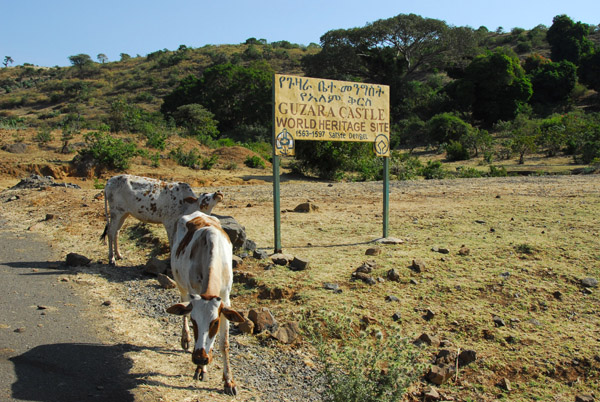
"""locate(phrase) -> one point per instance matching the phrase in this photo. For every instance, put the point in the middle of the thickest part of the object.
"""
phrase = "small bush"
(468, 173)
(190, 159)
(363, 368)
(455, 151)
(225, 142)
(255, 162)
(404, 166)
(497, 171)
(433, 170)
(208, 163)
(44, 136)
(524, 248)
(156, 139)
(109, 152)
(98, 185)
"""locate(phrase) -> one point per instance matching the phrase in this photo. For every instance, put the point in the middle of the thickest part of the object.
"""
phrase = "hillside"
(45, 96)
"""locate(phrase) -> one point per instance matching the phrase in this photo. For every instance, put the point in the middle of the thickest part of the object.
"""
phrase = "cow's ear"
(190, 199)
(232, 315)
(180, 308)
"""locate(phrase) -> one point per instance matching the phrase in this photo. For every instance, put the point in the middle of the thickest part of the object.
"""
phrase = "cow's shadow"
(72, 372)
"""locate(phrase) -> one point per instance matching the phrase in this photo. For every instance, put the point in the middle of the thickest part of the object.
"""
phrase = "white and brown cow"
(201, 260)
(149, 200)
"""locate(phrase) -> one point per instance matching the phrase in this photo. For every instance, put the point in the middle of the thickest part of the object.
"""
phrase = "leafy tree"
(589, 70)
(7, 60)
(387, 48)
(124, 56)
(80, 60)
(477, 140)
(537, 35)
(126, 117)
(236, 95)
(446, 127)
(494, 87)
(553, 135)
(523, 134)
(534, 61)
(553, 82)
(102, 58)
(197, 120)
(568, 40)
(583, 135)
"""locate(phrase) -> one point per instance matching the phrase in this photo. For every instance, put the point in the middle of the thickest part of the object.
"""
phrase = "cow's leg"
(116, 221)
(186, 339)
(229, 385)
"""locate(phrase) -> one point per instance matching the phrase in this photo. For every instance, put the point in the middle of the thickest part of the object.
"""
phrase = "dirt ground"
(554, 218)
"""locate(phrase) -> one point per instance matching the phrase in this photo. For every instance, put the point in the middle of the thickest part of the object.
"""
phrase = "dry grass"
(539, 235)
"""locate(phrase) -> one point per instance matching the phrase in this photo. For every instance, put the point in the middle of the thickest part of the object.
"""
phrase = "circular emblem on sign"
(284, 142)
(382, 144)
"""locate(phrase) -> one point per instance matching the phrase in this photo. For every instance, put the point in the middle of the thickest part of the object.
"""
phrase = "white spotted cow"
(151, 201)
(201, 260)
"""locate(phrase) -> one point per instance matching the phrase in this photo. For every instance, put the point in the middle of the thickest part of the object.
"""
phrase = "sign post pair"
(328, 110)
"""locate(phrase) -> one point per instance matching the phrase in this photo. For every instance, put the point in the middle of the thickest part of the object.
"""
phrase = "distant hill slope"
(45, 95)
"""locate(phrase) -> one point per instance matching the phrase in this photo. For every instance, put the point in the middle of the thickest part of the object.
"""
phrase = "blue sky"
(47, 32)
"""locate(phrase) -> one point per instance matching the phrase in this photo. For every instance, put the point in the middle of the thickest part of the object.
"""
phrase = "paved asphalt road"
(48, 352)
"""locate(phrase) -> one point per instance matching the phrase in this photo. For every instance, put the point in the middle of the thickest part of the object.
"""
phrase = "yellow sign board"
(327, 110)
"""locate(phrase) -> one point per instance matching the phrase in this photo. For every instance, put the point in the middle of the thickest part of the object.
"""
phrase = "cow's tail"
(103, 237)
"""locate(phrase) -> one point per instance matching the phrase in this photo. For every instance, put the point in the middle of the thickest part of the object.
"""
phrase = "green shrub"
(109, 152)
(98, 185)
(497, 171)
(433, 170)
(208, 163)
(44, 135)
(231, 166)
(404, 166)
(455, 151)
(446, 127)
(156, 139)
(12, 123)
(155, 159)
(255, 162)
(369, 168)
(264, 149)
(468, 172)
(190, 159)
(362, 368)
(225, 142)
(524, 248)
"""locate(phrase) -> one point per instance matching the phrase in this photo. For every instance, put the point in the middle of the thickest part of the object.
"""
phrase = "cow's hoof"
(200, 376)
(185, 344)
(230, 390)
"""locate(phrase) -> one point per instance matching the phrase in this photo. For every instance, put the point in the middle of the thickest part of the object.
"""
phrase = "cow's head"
(206, 313)
(206, 201)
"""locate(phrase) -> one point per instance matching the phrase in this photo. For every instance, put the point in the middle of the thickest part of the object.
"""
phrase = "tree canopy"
(235, 95)
(494, 87)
